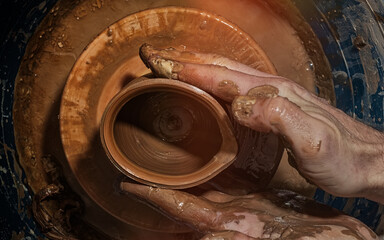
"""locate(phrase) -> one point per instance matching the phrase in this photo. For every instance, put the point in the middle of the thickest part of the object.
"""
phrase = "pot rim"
(221, 160)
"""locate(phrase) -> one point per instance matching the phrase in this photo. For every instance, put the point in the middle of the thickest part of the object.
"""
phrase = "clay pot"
(167, 133)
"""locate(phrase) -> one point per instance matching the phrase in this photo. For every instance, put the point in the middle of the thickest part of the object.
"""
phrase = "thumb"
(304, 134)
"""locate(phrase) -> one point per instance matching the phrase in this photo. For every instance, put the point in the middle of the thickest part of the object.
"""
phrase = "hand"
(339, 154)
(268, 215)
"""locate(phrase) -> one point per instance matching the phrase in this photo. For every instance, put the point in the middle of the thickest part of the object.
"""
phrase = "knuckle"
(275, 109)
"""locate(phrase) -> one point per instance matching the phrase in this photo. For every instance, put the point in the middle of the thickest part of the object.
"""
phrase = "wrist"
(372, 164)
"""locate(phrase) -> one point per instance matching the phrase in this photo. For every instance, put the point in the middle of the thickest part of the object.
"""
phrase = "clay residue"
(165, 68)
(359, 42)
(351, 233)
(147, 51)
(264, 91)
(242, 107)
(298, 232)
(227, 90)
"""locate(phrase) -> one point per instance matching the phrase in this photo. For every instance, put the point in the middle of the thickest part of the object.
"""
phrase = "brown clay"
(167, 133)
(229, 89)
(242, 106)
(263, 91)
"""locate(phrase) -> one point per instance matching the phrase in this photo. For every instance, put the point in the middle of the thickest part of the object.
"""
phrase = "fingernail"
(166, 68)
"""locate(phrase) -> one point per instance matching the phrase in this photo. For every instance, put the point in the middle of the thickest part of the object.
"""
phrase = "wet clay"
(166, 68)
(242, 107)
(227, 90)
(359, 42)
(265, 91)
(224, 235)
(147, 51)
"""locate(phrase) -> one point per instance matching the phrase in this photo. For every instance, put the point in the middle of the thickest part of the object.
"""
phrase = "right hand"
(337, 153)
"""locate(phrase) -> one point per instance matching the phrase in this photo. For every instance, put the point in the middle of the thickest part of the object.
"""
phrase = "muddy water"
(66, 32)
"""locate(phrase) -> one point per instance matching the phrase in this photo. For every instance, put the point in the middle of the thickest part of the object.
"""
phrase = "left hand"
(267, 215)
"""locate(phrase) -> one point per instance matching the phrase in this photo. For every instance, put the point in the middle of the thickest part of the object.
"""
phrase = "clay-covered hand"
(267, 215)
(329, 148)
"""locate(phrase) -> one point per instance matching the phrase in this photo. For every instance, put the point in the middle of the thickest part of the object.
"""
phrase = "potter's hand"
(332, 150)
(269, 215)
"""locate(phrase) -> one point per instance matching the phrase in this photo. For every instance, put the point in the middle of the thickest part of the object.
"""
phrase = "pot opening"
(167, 132)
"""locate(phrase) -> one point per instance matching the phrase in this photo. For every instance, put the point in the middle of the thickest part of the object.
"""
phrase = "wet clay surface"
(243, 105)
(51, 54)
(194, 144)
(167, 133)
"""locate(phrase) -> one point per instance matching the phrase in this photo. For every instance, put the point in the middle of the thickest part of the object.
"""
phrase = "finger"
(200, 213)
(219, 197)
(251, 200)
(179, 205)
(147, 52)
(304, 134)
(221, 76)
(218, 80)
(228, 235)
(226, 83)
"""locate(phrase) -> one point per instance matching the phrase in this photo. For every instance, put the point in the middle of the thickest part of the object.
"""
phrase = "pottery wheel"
(111, 61)
(58, 43)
